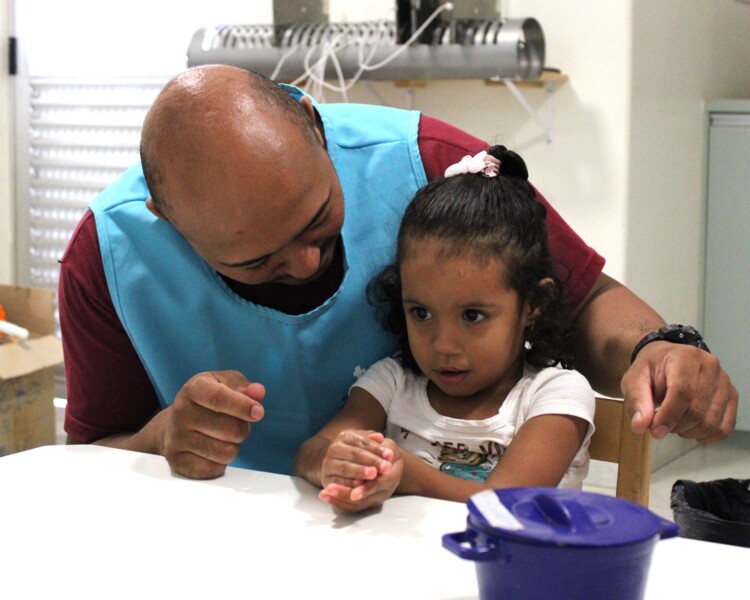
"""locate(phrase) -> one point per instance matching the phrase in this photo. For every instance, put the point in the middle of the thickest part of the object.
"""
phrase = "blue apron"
(183, 319)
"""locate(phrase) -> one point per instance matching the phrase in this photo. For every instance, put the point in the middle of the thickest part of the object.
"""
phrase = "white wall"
(583, 172)
(626, 157)
(6, 169)
(139, 37)
(684, 53)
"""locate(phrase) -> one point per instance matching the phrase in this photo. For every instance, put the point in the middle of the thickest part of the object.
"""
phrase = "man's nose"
(303, 261)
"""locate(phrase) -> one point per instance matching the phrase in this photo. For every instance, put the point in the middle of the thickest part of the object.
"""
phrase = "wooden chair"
(614, 442)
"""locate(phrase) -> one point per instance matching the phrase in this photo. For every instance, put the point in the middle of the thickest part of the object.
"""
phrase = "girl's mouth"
(451, 376)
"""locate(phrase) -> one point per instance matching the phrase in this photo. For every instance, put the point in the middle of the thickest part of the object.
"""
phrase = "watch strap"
(676, 334)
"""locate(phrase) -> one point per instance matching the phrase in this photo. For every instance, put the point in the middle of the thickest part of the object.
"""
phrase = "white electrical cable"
(281, 62)
(339, 74)
(361, 42)
(364, 64)
(315, 73)
(411, 40)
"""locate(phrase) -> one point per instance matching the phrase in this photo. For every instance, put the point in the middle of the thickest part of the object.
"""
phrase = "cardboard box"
(27, 371)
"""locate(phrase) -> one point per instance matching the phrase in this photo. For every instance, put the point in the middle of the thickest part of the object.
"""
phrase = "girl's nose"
(445, 340)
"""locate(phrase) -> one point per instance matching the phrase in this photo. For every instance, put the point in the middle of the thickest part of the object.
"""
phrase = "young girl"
(480, 396)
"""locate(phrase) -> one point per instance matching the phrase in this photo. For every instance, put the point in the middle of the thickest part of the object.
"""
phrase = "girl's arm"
(539, 456)
(355, 430)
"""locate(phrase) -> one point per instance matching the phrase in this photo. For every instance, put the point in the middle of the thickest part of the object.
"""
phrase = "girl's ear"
(539, 302)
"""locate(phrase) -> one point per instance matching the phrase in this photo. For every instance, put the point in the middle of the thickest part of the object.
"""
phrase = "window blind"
(81, 135)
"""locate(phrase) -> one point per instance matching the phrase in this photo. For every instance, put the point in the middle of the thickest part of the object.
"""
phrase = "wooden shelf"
(547, 79)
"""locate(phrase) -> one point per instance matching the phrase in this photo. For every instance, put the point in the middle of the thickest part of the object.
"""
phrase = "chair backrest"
(614, 442)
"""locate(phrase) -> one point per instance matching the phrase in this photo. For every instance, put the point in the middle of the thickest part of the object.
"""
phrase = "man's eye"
(321, 222)
(262, 264)
(474, 316)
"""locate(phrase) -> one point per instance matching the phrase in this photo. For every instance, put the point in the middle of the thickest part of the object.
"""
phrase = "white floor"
(728, 458)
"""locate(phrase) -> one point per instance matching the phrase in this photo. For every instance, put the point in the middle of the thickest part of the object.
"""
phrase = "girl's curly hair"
(491, 218)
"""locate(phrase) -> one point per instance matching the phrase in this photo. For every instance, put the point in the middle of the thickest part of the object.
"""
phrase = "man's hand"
(696, 398)
(209, 419)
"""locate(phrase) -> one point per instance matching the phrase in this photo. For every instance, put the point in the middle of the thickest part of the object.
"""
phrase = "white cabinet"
(727, 293)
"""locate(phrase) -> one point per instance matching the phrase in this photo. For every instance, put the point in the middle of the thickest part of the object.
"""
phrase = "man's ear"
(152, 208)
(307, 105)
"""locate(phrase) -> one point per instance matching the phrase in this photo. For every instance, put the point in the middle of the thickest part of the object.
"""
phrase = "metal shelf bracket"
(545, 121)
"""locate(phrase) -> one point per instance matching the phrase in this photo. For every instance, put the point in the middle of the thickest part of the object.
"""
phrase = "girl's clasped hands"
(360, 469)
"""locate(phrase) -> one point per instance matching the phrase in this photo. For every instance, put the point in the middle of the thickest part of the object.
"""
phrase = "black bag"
(714, 511)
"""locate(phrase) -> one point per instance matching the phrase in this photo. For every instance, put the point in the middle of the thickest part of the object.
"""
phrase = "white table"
(91, 522)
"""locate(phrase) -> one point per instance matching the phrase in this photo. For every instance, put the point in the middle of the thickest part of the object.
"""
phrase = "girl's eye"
(474, 316)
(420, 314)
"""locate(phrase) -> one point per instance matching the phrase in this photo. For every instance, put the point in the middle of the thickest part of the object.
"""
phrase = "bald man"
(213, 300)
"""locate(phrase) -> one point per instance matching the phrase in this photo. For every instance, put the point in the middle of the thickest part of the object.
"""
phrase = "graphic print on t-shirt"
(456, 458)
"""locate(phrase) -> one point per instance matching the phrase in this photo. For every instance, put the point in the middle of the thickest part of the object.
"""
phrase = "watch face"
(683, 334)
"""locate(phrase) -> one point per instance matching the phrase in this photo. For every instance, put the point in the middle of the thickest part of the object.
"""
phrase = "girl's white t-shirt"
(471, 448)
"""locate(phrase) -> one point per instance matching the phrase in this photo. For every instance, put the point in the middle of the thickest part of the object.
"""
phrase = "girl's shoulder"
(391, 365)
(559, 391)
(391, 371)
(555, 378)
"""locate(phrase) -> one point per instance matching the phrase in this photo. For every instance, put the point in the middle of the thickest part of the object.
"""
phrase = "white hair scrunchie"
(483, 163)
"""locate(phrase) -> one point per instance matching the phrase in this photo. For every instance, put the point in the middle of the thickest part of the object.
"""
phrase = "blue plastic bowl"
(553, 543)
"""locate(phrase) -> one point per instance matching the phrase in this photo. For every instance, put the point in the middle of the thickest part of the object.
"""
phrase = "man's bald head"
(202, 111)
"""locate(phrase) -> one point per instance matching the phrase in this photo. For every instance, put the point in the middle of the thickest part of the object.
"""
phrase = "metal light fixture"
(454, 46)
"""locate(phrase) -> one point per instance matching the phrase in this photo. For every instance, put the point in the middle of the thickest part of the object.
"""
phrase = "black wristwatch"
(677, 334)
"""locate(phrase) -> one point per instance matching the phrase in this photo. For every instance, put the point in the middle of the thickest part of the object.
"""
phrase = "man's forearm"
(608, 325)
(146, 440)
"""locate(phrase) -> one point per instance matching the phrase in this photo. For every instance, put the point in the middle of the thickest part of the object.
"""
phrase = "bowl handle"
(462, 544)
(668, 529)
(572, 516)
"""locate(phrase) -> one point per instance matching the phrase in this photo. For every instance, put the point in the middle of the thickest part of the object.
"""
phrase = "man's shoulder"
(437, 131)
(84, 242)
(355, 125)
(442, 145)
